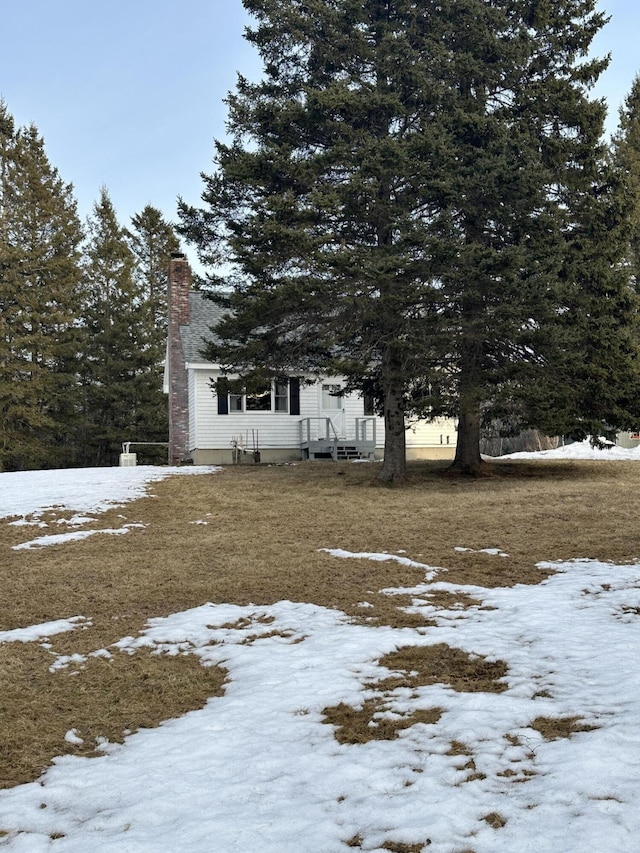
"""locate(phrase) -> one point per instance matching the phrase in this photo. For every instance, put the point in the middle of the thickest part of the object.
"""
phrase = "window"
(281, 395)
(331, 398)
(263, 398)
(235, 392)
(368, 398)
(235, 403)
(258, 400)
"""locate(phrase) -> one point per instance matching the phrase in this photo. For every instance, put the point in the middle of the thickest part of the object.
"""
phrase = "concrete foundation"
(273, 456)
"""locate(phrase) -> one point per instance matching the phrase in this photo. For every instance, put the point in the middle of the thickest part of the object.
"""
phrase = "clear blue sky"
(130, 94)
(125, 94)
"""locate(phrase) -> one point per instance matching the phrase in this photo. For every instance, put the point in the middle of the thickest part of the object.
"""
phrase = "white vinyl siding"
(193, 410)
(432, 433)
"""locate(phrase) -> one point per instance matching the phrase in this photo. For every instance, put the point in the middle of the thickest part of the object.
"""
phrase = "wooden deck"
(320, 440)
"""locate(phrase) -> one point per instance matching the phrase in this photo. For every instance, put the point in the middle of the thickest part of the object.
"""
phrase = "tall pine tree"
(409, 197)
(152, 240)
(530, 275)
(584, 378)
(41, 340)
(626, 157)
(321, 201)
(123, 375)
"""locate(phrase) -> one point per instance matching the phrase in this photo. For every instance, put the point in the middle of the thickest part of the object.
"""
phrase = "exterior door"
(332, 406)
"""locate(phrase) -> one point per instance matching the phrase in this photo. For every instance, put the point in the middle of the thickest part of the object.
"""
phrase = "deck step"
(341, 452)
(348, 452)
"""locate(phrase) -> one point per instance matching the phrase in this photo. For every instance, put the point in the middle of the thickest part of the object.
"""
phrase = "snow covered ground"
(582, 450)
(258, 771)
(84, 489)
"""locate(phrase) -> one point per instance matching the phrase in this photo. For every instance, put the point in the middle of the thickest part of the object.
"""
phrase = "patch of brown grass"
(495, 820)
(443, 664)
(361, 725)
(100, 699)
(445, 600)
(394, 846)
(458, 748)
(260, 544)
(554, 728)
(412, 666)
(517, 776)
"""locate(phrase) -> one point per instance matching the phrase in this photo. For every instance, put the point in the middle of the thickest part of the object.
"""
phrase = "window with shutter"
(281, 396)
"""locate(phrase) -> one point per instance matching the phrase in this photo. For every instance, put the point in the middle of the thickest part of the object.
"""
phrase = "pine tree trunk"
(394, 466)
(467, 459)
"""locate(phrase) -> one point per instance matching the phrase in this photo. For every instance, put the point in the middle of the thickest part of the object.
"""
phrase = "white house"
(212, 420)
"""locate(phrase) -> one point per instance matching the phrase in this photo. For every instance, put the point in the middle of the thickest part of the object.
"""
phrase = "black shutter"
(222, 391)
(368, 393)
(294, 396)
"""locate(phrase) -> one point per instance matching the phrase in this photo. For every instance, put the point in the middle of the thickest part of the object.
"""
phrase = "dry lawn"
(261, 544)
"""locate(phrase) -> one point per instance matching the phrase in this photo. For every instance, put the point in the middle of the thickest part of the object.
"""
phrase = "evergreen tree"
(321, 201)
(626, 157)
(9, 288)
(152, 240)
(41, 340)
(123, 392)
(585, 379)
(583, 372)
(408, 198)
(529, 281)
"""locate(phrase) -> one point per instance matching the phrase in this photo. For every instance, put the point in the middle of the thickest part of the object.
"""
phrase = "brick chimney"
(179, 287)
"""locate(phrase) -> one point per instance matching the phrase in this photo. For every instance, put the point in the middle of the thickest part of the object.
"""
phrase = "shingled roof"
(203, 313)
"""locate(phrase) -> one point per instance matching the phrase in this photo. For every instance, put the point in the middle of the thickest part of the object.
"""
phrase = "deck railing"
(324, 431)
(366, 431)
